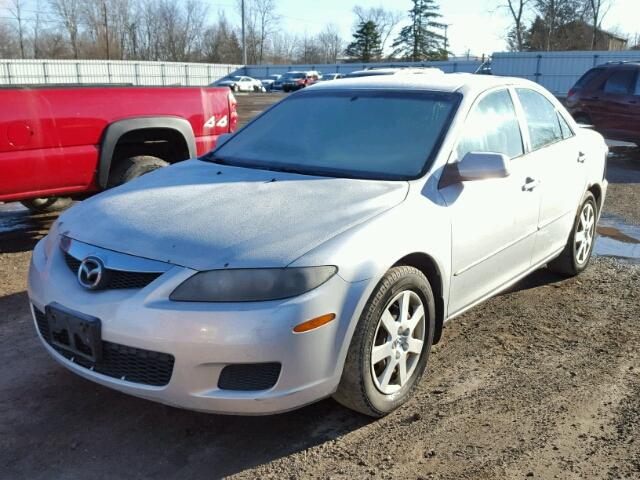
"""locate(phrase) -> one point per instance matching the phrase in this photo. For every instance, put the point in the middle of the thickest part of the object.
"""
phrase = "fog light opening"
(314, 323)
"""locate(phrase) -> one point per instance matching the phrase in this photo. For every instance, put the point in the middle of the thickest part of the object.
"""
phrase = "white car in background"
(241, 84)
(268, 82)
(320, 249)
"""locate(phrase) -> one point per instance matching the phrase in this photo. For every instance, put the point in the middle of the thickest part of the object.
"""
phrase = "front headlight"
(251, 285)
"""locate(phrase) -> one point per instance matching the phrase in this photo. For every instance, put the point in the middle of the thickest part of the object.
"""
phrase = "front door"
(493, 221)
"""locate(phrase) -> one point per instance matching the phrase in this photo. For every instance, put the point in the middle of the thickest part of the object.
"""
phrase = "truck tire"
(129, 168)
(391, 342)
(47, 204)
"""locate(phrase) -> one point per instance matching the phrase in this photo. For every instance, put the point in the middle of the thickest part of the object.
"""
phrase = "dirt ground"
(542, 381)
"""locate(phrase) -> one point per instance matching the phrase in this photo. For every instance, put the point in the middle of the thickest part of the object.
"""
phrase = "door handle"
(530, 184)
(581, 157)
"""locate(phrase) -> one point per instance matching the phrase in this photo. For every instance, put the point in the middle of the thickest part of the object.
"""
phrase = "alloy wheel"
(585, 233)
(398, 342)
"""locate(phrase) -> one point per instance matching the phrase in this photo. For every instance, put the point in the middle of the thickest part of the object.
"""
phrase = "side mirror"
(475, 166)
(483, 165)
(222, 139)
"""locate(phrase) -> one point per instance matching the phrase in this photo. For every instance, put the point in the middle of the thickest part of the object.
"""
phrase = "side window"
(492, 126)
(564, 127)
(542, 119)
(620, 82)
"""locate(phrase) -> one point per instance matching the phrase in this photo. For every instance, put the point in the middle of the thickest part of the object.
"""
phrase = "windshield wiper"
(210, 157)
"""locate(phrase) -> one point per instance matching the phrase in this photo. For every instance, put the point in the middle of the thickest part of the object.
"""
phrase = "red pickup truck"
(58, 143)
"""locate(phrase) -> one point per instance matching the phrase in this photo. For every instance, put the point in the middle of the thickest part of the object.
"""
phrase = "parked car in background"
(371, 72)
(241, 84)
(319, 250)
(608, 97)
(268, 82)
(292, 81)
(331, 76)
(58, 143)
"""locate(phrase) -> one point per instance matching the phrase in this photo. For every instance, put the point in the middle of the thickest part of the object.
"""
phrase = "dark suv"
(608, 97)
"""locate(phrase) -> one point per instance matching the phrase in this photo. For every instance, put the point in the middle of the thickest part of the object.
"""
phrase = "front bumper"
(205, 337)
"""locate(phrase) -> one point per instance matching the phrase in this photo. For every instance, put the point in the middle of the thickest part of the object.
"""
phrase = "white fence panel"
(23, 72)
(556, 71)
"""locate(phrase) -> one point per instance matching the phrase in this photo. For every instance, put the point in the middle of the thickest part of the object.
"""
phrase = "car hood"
(206, 216)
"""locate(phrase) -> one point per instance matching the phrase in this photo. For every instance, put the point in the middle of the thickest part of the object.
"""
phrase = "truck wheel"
(129, 168)
(390, 346)
(47, 205)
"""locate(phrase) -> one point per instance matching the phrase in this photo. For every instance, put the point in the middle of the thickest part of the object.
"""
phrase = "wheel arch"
(596, 191)
(429, 267)
(117, 130)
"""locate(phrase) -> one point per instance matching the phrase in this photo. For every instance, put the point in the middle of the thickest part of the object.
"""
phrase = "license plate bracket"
(75, 332)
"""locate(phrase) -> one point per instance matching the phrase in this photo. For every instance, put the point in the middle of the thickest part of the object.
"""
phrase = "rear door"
(493, 221)
(559, 168)
(612, 115)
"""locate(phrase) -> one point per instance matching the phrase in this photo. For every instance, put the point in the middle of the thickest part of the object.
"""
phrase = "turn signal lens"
(314, 323)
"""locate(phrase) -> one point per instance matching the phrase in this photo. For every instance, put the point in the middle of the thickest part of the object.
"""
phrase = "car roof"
(632, 64)
(450, 82)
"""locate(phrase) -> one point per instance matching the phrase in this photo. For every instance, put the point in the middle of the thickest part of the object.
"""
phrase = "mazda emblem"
(91, 273)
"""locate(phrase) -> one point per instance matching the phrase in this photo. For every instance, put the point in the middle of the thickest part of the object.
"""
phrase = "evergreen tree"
(420, 40)
(366, 45)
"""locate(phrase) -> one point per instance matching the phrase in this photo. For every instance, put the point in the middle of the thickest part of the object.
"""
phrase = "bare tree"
(267, 21)
(517, 10)
(330, 42)
(385, 20)
(597, 10)
(68, 13)
(16, 11)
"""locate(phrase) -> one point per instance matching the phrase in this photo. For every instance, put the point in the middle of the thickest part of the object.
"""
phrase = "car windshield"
(293, 75)
(371, 134)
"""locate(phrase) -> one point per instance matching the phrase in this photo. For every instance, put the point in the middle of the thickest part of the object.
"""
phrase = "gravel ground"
(542, 381)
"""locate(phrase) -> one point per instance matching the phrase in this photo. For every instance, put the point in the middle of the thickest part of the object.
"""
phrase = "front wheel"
(577, 252)
(390, 346)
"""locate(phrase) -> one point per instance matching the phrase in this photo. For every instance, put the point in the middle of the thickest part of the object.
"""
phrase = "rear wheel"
(577, 252)
(129, 168)
(390, 346)
(47, 205)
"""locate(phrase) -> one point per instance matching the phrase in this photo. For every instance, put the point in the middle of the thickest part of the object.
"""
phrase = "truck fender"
(116, 130)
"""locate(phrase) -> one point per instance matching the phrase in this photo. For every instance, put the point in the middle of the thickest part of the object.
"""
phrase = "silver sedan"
(320, 250)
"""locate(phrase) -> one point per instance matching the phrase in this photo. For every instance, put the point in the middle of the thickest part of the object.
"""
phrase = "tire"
(573, 259)
(129, 168)
(362, 386)
(235, 88)
(48, 204)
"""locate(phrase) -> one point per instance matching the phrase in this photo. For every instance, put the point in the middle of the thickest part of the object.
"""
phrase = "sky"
(478, 26)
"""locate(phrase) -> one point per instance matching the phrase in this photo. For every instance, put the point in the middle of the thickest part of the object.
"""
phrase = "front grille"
(249, 376)
(118, 361)
(118, 279)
